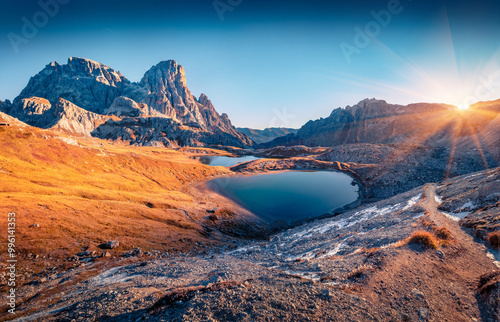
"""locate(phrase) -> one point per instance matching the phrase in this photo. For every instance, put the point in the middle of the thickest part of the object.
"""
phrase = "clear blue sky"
(264, 59)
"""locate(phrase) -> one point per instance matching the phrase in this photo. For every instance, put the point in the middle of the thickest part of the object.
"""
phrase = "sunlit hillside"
(81, 192)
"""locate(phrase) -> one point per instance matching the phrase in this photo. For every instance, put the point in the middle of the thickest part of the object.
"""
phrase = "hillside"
(71, 194)
(402, 259)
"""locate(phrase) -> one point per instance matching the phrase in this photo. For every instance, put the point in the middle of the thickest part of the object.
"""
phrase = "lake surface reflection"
(289, 196)
(225, 161)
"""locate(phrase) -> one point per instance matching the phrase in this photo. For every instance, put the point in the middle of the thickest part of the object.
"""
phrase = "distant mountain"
(5, 106)
(376, 121)
(266, 135)
(88, 98)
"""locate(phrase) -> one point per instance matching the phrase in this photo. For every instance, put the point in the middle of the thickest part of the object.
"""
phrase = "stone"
(327, 293)
(423, 314)
(137, 252)
(418, 294)
(110, 244)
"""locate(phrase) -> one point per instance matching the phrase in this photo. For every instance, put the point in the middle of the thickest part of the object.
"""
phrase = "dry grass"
(494, 239)
(359, 271)
(424, 238)
(443, 233)
(371, 251)
(98, 191)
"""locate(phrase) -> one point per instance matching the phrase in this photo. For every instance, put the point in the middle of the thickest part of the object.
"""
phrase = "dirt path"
(433, 285)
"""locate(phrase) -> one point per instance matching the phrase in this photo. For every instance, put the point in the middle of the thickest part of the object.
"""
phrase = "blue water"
(225, 161)
(289, 196)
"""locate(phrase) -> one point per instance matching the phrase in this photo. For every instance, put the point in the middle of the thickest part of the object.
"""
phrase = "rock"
(62, 115)
(423, 314)
(35, 225)
(110, 244)
(212, 280)
(494, 197)
(106, 254)
(242, 316)
(212, 217)
(327, 293)
(124, 106)
(137, 252)
(418, 294)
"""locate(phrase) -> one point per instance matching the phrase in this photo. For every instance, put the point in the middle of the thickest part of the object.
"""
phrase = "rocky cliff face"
(62, 115)
(83, 82)
(401, 146)
(376, 121)
(5, 106)
(91, 90)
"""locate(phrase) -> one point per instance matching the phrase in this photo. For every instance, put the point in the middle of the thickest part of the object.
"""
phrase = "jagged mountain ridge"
(96, 88)
(378, 122)
(267, 134)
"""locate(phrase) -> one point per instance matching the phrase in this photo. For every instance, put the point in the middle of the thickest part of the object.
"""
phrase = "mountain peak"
(91, 67)
(81, 60)
(163, 74)
(97, 88)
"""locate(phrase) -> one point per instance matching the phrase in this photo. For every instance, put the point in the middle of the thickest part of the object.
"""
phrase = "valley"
(139, 201)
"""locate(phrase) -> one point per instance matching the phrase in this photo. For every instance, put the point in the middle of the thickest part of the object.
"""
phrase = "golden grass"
(424, 238)
(98, 191)
(494, 239)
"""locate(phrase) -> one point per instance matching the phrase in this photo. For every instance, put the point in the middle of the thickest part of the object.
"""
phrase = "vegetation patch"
(494, 239)
(359, 271)
(424, 238)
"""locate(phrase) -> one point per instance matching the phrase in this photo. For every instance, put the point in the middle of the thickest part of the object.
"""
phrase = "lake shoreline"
(275, 226)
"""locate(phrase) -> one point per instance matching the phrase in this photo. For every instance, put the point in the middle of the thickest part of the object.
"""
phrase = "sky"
(269, 63)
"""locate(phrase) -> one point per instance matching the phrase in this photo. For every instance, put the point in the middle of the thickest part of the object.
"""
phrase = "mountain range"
(88, 98)
(267, 134)
(376, 121)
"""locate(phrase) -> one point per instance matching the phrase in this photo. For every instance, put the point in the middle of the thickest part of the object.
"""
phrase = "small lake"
(289, 196)
(225, 161)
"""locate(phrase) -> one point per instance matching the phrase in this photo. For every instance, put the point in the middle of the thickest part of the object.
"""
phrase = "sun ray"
(455, 136)
(477, 143)
(418, 140)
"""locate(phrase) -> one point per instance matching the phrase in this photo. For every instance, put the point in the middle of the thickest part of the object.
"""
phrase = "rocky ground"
(400, 259)
(384, 170)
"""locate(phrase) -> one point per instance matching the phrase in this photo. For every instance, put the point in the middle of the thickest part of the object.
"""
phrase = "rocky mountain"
(5, 106)
(62, 115)
(370, 121)
(266, 135)
(94, 94)
(394, 148)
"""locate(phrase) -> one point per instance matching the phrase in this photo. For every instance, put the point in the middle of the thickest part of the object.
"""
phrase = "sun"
(462, 107)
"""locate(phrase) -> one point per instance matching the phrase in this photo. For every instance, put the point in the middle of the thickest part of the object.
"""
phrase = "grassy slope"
(92, 193)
